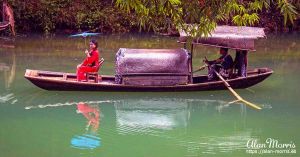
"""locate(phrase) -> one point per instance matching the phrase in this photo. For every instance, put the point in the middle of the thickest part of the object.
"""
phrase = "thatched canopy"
(233, 37)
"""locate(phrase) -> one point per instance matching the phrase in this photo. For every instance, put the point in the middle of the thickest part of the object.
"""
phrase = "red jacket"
(92, 60)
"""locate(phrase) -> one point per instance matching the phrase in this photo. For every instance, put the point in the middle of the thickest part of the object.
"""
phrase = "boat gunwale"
(257, 74)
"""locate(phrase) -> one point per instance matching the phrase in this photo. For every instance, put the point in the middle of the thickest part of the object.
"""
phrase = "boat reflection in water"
(90, 139)
(195, 125)
(9, 73)
(149, 116)
(192, 124)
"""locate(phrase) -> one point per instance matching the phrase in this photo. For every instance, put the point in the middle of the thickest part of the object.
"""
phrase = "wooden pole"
(192, 49)
(239, 98)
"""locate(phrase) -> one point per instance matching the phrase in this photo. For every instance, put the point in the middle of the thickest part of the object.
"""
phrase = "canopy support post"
(191, 63)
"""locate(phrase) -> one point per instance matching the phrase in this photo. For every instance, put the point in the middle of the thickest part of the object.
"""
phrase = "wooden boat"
(67, 82)
(161, 69)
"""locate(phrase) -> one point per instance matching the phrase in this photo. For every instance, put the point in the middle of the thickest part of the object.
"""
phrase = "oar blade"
(250, 104)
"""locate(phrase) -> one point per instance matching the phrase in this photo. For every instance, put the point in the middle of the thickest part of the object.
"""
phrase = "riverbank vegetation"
(118, 16)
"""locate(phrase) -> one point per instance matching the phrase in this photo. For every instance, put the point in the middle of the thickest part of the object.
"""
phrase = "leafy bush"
(70, 15)
(113, 16)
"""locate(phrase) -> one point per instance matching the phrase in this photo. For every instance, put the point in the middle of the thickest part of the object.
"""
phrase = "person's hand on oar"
(205, 60)
(203, 66)
(200, 68)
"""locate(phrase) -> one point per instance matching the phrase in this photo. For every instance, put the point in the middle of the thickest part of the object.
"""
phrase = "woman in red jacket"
(90, 62)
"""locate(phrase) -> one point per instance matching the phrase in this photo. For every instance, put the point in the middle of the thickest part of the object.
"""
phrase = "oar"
(239, 98)
(201, 68)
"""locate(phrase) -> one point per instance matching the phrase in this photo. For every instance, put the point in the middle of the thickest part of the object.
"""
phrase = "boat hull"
(67, 82)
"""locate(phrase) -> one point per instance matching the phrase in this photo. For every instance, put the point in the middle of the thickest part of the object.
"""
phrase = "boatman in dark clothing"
(240, 63)
(222, 65)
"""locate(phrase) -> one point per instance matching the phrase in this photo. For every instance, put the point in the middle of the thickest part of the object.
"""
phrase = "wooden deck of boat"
(70, 77)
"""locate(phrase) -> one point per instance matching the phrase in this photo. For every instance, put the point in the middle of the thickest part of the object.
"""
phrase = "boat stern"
(32, 73)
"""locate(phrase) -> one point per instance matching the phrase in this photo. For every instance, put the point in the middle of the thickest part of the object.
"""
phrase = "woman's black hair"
(94, 42)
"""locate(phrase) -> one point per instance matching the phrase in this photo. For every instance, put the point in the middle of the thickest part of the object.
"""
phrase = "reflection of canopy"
(147, 116)
(229, 36)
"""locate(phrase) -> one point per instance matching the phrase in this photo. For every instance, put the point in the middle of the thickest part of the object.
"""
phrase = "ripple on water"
(214, 144)
(8, 98)
(65, 104)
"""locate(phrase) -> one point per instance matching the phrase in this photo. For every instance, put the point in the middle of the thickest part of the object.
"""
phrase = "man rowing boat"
(223, 65)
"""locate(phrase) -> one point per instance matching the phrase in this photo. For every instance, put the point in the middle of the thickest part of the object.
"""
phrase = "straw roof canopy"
(234, 37)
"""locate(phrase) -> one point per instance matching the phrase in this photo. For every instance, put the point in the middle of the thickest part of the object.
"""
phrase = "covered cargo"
(152, 67)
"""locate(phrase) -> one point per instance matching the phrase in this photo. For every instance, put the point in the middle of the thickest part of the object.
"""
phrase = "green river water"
(36, 122)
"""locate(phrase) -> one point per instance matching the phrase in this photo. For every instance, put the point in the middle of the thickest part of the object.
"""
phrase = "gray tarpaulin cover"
(151, 61)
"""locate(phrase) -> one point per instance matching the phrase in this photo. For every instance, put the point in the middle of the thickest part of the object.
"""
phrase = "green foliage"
(287, 10)
(203, 15)
(75, 15)
(153, 15)
(149, 15)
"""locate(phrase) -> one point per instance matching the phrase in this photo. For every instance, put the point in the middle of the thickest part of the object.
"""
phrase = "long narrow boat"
(67, 82)
(162, 69)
